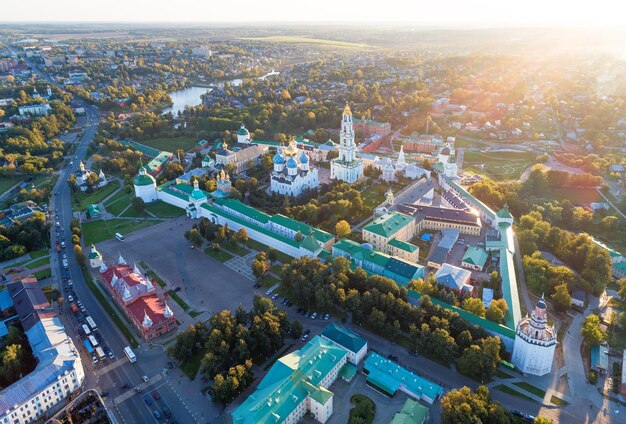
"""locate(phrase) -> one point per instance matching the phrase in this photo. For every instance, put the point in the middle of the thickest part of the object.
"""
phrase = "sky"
(468, 13)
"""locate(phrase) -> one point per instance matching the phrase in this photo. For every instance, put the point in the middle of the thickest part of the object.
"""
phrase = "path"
(611, 203)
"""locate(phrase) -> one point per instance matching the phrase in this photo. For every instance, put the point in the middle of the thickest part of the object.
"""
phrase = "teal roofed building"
(411, 413)
(391, 225)
(378, 263)
(296, 384)
(347, 339)
(474, 258)
(389, 377)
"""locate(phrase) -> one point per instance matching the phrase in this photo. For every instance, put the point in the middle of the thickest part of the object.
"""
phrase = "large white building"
(59, 372)
(347, 167)
(37, 109)
(145, 186)
(292, 172)
(535, 342)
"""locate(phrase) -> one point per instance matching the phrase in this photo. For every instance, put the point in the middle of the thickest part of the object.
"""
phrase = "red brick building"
(137, 297)
(369, 128)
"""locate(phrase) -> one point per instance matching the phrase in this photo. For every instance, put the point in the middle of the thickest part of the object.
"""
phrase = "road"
(109, 375)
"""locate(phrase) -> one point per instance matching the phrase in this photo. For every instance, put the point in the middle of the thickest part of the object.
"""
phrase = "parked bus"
(100, 353)
(91, 322)
(86, 330)
(88, 346)
(93, 341)
(130, 354)
(119, 236)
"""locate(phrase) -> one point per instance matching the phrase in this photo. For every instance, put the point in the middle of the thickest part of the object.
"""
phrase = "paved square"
(243, 265)
(206, 284)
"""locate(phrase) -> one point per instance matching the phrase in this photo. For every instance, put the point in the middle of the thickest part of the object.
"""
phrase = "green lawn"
(164, 210)
(506, 165)
(191, 367)
(39, 262)
(577, 196)
(39, 253)
(260, 247)
(170, 144)
(178, 300)
(502, 374)
(558, 401)
(268, 281)
(513, 392)
(530, 388)
(8, 182)
(97, 231)
(220, 255)
(132, 213)
(234, 247)
(82, 200)
(44, 273)
(118, 202)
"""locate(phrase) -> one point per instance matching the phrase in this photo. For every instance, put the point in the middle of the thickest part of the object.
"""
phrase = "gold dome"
(291, 149)
(346, 110)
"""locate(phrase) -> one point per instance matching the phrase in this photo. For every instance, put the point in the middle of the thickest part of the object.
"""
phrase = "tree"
(242, 235)
(543, 420)
(342, 229)
(259, 268)
(561, 299)
(480, 362)
(272, 254)
(591, 331)
(475, 306)
(138, 204)
(461, 406)
(494, 313)
(195, 238)
(78, 252)
(621, 283)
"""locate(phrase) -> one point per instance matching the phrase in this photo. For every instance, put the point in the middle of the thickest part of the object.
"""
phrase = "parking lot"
(206, 284)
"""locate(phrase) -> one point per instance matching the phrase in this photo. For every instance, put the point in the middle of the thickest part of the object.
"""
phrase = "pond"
(187, 97)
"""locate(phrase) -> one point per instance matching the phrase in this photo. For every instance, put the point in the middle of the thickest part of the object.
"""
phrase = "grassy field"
(513, 392)
(170, 144)
(234, 247)
(191, 367)
(220, 255)
(39, 262)
(268, 281)
(8, 182)
(307, 40)
(178, 300)
(503, 165)
(260, 247)
(577, 196)
(82, 200)
(97, 231)
(502, 374)
(558, 401)
(164, 210)
(44, 273)
(118, 202)
(530, 388)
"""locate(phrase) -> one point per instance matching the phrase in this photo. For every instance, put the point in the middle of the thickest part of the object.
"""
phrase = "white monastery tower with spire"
(535, 342)
(346, 167)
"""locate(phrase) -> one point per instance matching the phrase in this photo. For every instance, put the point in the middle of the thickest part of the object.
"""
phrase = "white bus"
(119, 236)
(93, 341)
(100, 353)
(130, 354)
(91, 322)
(86, 330)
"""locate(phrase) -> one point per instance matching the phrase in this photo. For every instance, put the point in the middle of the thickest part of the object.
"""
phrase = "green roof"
(504, 212)
(158, 161)
(93, 210)
(296, 226)
(310, 243)
(411, 413)
(198, 195)
(475, 256)
(290, 380)
(620, 266)
(348, 371)
(344, 337)
(144, 180)
(169, 189)
(389, 376)
(402, 245)
(388, 224)
(599, 357)
(243, 131)
(244, 209)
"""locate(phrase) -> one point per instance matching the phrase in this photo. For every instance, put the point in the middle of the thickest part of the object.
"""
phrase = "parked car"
(304, 337)
(145, 378)
(155, 395)
(275, 296)
(268, 292)
(327, 317)
(314, 315)
(392, 357)
(306, 314)
(111, 355)
(157, 414)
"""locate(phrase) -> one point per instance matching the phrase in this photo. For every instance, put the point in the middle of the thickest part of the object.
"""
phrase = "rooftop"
(475, 256)
(344, 337)
(388, 224)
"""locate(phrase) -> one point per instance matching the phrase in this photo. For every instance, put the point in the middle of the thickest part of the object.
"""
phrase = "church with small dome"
(293, 172)
(83, 175)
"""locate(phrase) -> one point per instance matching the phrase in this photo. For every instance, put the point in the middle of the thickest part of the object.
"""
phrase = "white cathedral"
(292, 172)
(535, 342)
(347, 167)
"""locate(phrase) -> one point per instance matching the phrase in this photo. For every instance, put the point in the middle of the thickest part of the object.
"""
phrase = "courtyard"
(205, 283)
